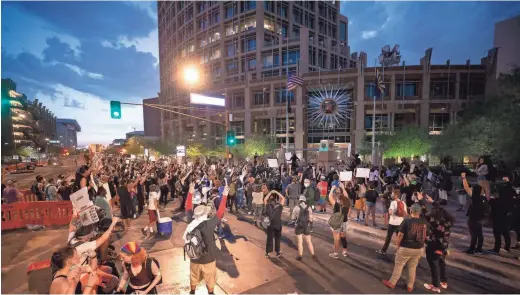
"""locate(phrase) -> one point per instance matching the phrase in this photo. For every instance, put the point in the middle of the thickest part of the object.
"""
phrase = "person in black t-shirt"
(371, 196)
(475, 215)
(274, 208)
(410, 247)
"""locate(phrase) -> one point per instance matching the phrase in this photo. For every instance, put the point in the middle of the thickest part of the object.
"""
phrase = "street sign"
(181, 151)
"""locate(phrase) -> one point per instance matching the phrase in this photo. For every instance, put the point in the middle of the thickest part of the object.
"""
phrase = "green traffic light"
(115, 109)
(230, 138)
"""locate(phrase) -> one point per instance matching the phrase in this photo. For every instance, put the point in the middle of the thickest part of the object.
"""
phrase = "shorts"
(481, 177)
(206, 272)
(126, 212)
(385, 208)
(322, 200)
(342, 229)
(360, 204)
(152, 215)
(370, 205)
(302, 230)
(130, 290)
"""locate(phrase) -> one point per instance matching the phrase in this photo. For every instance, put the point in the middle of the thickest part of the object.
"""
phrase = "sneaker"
(144, 231)
(469, 252)
(409, 289)
(267, 255)
(505, 250)
(432, 288)
(334, 255)
(299, 258)
(479, 252)
(381, 252)
(357, 219)
(278, 255)
(314, 258)
(388, 284)
(492, 251)
(345, 254)
(444, 285)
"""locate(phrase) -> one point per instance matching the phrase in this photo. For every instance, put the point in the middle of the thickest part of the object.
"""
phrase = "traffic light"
(230, 138)
(115, 109)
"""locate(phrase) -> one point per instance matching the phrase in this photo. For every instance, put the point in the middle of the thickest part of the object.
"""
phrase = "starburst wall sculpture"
(329, 106)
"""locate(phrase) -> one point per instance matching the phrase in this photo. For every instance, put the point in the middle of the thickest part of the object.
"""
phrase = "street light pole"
(227, 124)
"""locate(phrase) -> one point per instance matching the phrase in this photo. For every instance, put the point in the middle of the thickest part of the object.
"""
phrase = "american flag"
(293, 82)
(380, 86)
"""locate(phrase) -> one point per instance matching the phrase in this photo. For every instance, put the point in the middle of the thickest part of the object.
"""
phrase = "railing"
(19, 215)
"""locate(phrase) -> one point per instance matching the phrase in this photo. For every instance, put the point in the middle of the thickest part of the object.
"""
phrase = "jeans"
(249, 201)
(437, 264)
(257, 212)
(240, 197)
(409, 257)
(293, 202)
(275, 234)
(389, 232)
(500, 229)
(475, 231)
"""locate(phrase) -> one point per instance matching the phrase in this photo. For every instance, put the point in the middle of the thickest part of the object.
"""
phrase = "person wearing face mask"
(274, 206)
(310, 193)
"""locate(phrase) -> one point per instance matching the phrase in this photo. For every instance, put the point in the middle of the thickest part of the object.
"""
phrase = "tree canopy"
(405, 142)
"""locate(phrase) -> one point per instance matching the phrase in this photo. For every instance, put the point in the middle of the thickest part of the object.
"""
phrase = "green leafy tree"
(406, 142)
(133, 146)
(257, 144)
(195, 150)
(25, 152)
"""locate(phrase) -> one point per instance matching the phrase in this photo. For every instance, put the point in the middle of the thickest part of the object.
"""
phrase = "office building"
(244, 49)
(507, 39)
(24, 122)
(151, 119)
(67, 132)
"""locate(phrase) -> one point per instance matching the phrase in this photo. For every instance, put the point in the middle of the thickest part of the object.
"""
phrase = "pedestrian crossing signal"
(230, 138)
(115, 109)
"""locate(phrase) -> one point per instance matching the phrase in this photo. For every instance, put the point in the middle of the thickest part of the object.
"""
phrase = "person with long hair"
(140, 271)
(440, 221)
(482, 172)
(338, 198)
(475, 215)
(274, 209)
(67, 274)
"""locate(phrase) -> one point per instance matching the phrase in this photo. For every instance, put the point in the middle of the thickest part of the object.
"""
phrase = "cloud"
(368, 34)
(149, 44)
(93, 116)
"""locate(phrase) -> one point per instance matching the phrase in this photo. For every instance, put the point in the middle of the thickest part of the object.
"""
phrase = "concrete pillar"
(359, 118)
(425, 97)
(259, 37)
(247, 110)
(392, 121)
(299, 132)
(303, 63)
(457, 86)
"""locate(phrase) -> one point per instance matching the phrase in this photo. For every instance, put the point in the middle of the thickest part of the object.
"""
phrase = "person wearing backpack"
(338, 197)
(142, 272)
(397, 212)
(38, 188)
(51, 192)
(200, 245)
(302, 218)
(273, 218)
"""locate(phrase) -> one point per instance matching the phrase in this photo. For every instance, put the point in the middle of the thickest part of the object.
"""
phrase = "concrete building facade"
(151, 118)
(507, 39)
(252, 75)
(67, 132)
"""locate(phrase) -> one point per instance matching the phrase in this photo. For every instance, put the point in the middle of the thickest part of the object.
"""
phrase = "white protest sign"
(273, 163)
(345, 176)
(213, 167)
(152, 158)
(80, 199)
(88, 216)
(128, 161)
(362, 172)
(132, 156)
(412, 168)
(288, 157)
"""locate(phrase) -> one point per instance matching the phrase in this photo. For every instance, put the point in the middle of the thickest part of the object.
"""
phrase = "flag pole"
(374, 117)
(287, 95)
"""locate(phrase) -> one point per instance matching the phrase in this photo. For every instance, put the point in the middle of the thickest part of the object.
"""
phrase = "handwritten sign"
(362, 172)
(273, 163)
(345, 176)
(80, 199)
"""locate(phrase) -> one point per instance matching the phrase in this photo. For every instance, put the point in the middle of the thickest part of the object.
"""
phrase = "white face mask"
(306, 184)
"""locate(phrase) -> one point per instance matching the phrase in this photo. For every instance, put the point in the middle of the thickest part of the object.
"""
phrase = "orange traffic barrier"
(27, 196)
(19, 215)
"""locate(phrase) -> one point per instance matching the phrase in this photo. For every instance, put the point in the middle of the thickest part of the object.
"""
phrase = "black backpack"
(149, 269)
(195, 247)
(303, 217)
(34, 189)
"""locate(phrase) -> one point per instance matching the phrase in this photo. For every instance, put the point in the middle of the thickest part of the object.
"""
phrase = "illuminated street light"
(191, 75)
(47, 139)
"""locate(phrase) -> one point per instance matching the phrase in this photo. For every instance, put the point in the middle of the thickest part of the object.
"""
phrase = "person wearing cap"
(302, 218)
(140, 271)
(205, 267)
(410, 247)
(11, 194)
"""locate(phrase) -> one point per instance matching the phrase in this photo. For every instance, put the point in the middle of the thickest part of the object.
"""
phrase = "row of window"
(437, 89)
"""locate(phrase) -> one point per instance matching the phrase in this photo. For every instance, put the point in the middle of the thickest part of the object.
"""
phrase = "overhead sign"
(181, 151)
(207, 100)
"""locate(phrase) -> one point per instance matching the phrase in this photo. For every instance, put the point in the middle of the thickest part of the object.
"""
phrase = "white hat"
(201, 210)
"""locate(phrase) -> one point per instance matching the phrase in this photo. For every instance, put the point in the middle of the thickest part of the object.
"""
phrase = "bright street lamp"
(191, 75)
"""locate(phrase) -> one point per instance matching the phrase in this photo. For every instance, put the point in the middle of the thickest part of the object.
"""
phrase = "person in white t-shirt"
(397, 212)
(153, 204)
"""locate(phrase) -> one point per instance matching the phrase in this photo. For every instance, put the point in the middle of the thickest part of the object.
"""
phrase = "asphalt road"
(26, 179)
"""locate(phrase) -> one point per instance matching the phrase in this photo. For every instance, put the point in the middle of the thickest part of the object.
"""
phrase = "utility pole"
(227, 124)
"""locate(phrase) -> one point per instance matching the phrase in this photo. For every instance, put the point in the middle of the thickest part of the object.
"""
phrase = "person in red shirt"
(322, 188)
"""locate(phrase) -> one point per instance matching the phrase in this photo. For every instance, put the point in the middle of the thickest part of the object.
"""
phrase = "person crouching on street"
(140, 271)
(302, 218)
(410, 247)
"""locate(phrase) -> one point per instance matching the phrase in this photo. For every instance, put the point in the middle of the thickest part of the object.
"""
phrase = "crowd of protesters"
(413, 198)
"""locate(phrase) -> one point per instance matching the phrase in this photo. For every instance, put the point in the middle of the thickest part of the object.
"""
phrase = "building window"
(292, 58)
(238, 127)
(283, 11)
(230, 11)
(269, 6)
(296, 32)
(312, 56)
(237, 101)
(231, 29)
(268, 25)
(381, 122)
(438, 121)
(342, 31)
(262, 126)
(248, 24)
(231, 49)
(248, 5)
(232, 67)
(250, 45)
(410, 89)
(281, 127)
(281, 96)
(370, 91)
(251, 64)
(403, 120)
(270, 60)
(261, 98)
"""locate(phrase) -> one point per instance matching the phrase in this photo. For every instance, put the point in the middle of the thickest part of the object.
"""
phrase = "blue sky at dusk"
(76, 56)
